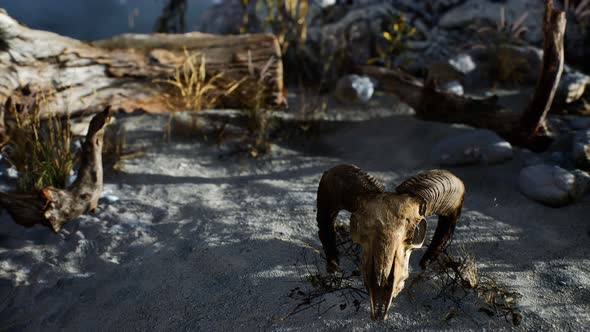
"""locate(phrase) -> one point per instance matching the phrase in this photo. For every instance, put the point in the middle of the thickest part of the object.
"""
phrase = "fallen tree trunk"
(121, 71)
(526, 128)
(54, 207)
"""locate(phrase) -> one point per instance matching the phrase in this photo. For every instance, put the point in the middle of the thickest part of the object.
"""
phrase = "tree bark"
(525, 128)
(121, 71)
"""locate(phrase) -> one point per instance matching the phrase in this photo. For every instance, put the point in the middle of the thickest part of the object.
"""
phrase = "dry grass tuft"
(456, 278)
(259, 124)
(39, 149)
(504, 32)
(580, 10)
(192, 89)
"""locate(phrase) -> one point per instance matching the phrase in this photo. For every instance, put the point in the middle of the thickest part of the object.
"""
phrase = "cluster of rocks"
(472, 47)
(554, 178)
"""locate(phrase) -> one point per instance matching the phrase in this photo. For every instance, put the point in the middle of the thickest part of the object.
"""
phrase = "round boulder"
(473, 147)
(552, 185)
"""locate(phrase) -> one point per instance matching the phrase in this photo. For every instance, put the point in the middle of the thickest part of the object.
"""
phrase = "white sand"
(198, 242)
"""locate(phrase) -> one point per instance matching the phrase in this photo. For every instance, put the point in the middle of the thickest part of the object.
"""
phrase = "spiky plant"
(39, 149)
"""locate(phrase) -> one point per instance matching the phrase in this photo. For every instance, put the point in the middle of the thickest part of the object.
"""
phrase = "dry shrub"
(395, 35)
(456, 278)
(580, 10)
(503, 31)
(39, 149)
(258, 126)
(347, 287)
(507, 66)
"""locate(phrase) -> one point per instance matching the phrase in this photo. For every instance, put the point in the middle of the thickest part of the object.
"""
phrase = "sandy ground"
(200, 240)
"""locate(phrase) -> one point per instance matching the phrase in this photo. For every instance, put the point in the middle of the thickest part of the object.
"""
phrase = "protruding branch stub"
(388, 226)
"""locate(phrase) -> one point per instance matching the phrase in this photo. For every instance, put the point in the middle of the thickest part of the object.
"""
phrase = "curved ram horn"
(341, 188)
(441, 193)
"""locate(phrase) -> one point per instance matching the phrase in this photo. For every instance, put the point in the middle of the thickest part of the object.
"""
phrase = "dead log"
(54, 207)
(121, 71)
(526, 128)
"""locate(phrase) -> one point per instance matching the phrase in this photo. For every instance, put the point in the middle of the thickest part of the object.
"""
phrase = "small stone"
(79, 128)
(472, 147)
(71, 178)
(453, 87)
(109, 197)
(581, 149)
(12, 173)
(548, 184)
(354, 89)
(571, 87)
(112, 198)
(463, 63)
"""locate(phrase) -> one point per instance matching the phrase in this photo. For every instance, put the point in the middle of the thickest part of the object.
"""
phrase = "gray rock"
(551, 185)
(533, 160)
(485, 73)
(225, 17)
(109, 197)
(12, 173)
(581, 149)
(476, 146)
(71, 178)
(579, 122)
(326, 3)
(439, 6)
(463, 63)
(582, 183)
(571, 86)
(453, 87)
(354, 89)
(557, 157)
(576, 42)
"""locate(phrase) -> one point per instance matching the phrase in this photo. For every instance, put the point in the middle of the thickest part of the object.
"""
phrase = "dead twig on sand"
(347, 287)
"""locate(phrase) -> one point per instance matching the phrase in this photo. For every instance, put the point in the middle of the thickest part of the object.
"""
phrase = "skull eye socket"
(419, 234)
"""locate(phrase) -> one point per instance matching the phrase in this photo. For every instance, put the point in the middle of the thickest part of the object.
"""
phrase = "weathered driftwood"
(526, 128)
(121, 71)
(54, 207)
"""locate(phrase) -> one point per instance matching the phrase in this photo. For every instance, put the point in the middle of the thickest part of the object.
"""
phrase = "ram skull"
(387, 225)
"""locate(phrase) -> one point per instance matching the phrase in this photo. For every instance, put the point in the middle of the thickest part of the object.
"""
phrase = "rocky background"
(469, 47)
